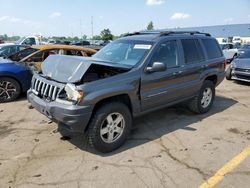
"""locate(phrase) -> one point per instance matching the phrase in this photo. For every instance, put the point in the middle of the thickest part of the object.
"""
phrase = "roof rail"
(183, 32)
(165, 33)
(140, 33)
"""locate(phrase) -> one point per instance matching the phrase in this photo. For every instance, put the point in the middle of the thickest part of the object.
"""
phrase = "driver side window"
(167, 53)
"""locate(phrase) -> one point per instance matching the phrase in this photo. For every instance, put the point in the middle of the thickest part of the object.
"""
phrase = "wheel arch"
(123, 98)
(213, 78)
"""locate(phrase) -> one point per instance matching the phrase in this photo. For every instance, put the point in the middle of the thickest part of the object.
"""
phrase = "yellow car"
(35, 55)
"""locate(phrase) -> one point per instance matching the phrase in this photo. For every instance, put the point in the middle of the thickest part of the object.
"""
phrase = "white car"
(236, 39)
(230, 50)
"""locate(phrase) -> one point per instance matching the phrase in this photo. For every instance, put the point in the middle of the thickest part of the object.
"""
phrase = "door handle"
(204, 66)
(178, 72)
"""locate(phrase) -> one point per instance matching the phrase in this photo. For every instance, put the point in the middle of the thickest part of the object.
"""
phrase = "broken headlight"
(73, 93)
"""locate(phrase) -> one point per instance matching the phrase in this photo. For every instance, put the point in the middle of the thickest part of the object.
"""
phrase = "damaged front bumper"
(75, 117)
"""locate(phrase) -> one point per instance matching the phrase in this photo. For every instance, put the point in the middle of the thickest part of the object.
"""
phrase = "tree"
(84, 37)
(97, 37)
(106, 35)
(150, 26)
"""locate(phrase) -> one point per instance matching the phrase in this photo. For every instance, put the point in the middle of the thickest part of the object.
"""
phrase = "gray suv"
(134, 75)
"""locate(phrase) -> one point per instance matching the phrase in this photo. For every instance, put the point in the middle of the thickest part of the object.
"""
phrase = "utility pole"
(81, 28)
(92, 26)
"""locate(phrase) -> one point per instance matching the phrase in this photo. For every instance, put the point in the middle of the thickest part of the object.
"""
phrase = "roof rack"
(184, 32)
(165, 33)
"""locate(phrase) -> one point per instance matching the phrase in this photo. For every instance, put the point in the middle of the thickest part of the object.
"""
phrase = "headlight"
(73, 93)
(232, 65)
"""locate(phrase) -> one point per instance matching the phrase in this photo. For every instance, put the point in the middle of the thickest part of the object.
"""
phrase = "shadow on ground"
(156, 124)
(242, 83)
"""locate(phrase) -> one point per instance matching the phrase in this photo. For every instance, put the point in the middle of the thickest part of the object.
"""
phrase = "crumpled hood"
(243, 63)
(71, 69)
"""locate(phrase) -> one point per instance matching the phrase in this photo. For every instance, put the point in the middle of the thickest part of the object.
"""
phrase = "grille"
(242, 77)
(242, 70)
(45, 90)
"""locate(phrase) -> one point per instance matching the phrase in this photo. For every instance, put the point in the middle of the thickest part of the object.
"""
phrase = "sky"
(73, 17)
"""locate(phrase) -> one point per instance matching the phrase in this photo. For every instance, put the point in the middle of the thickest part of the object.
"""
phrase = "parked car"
(131, 76)
(10, 49)
(245, 46)
(16, 70)
(240, 67)
(230, 50)
(236, 39)
(29, 41)
(81, 43)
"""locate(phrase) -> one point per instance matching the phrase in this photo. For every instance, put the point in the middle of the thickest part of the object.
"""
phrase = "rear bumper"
(75, 117)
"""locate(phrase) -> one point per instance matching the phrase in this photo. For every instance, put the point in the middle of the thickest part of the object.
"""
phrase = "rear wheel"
(229, 74)
(9, 89)
(109, 127)
(204, 101)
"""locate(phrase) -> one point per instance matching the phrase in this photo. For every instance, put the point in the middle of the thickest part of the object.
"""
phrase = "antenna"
(81, 27)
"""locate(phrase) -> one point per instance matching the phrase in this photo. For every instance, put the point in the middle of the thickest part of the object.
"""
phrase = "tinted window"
(192, 51)
(167, 53)
(212, 48)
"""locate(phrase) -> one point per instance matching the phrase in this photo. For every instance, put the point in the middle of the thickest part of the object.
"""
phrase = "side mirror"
(156, 67)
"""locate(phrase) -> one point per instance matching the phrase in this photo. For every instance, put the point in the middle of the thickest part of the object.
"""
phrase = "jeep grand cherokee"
(136, 74)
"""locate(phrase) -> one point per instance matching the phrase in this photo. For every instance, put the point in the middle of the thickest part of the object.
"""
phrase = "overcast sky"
(73, 17)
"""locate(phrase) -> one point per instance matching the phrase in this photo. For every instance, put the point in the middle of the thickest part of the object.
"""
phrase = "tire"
(101, 120)
(9, 89)
(229, 74)
(197, 104)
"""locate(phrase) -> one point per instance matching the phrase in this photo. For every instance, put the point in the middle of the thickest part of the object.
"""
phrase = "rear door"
(194, 65)
(160, 88)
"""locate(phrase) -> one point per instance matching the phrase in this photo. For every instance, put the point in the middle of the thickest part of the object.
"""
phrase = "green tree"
(150, 26)
(97, 37)
(84, 37)
(106, 35)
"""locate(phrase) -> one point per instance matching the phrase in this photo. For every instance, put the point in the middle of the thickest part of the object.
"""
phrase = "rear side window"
(212, 48)
(192, 51)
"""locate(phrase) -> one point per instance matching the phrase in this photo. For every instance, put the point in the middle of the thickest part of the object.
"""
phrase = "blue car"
(14, 76)
(240, 67)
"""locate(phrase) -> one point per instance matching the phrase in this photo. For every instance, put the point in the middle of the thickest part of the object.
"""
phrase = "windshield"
(246, 46)
(20, 40)
(237, 45)
(124, 52)
(3, 50)
(244, 54)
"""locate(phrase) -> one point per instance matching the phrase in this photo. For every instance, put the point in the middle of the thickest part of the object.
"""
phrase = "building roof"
(223, 31)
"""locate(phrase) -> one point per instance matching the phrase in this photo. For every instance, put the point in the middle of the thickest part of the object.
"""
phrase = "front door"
(160, 88)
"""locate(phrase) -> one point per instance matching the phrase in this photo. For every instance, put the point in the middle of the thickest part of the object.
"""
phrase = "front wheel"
(109, 127)
(204, 101)
(9, 89)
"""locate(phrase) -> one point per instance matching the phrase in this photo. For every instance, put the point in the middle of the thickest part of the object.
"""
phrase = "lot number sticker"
(142, 46)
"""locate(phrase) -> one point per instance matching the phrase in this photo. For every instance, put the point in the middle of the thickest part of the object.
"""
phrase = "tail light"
(225, 64)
